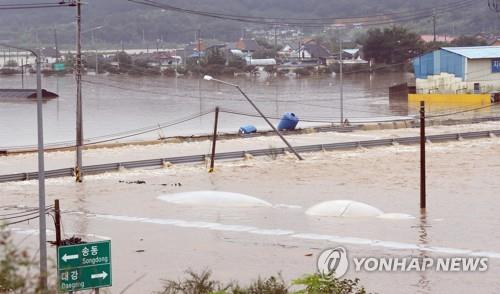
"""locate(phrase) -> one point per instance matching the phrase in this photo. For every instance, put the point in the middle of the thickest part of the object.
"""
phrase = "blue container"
(248, 129)
(288, 122)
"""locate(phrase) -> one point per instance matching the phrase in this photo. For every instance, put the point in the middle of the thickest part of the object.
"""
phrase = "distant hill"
(125, 22)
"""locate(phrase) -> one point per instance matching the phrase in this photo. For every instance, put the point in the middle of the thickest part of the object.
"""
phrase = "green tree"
(123, 59)
(215, 56)
(391, 45)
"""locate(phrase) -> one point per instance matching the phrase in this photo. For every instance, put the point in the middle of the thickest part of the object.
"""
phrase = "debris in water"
(138, 182)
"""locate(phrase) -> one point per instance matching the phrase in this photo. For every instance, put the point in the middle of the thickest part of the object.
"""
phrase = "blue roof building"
(478, 68)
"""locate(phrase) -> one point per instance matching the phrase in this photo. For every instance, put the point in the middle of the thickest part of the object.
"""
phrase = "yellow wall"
(435, 102)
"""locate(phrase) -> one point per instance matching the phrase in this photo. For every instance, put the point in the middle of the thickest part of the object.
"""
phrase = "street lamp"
(210, 78)
(41, 168)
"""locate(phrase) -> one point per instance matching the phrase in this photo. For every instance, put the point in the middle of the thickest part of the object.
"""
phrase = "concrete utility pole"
(96, 56)
(341, 82)
(79, 116)
(56, 44)
(275, 37)
(423, 185)
(434, 26)
(199, 45)
(41, 170)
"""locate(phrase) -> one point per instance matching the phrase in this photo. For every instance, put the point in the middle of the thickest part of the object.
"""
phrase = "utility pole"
(199, 46)
(209, 78)
(434, 25)
(79, 116)
(56, 44)
(96, 56)
(214, 141)
(341, 83)
(423, 193)
(41, 178)
(275, 38)
(143, 38)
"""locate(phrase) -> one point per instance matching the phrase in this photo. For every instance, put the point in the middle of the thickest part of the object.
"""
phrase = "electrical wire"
(117, 136)
(35, 5)
(329, 121)
(354, 18)
(464, 111)
(401, 16)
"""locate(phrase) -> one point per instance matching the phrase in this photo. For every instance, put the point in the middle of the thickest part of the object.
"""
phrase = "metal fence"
(102, 168)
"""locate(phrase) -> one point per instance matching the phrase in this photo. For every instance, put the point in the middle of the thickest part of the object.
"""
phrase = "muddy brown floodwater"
(153, 239)
(118, 103)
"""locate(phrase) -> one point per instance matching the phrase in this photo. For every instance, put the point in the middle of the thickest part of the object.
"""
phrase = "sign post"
(84, 266)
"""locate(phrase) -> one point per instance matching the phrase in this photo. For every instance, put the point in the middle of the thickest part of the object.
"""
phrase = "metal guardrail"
(102, 168)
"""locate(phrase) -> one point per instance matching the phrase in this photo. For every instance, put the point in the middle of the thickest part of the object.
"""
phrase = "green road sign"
(58, 66)
(84, 266)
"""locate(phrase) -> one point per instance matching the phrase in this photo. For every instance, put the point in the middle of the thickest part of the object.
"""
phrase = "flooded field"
(114, 104)
(157, 233)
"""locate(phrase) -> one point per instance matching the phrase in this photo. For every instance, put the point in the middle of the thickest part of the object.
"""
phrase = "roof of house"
(316, 50)
(477, 52)
(247, 44)
(351, 51)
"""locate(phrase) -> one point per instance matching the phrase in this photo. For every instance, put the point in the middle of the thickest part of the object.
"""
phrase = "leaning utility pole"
(78, 69)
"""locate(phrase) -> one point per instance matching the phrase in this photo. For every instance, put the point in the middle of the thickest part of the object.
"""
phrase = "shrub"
(15, 267)
(318, 284)
(310, 284)
(169, 72)
(194, 283)
(271, 285)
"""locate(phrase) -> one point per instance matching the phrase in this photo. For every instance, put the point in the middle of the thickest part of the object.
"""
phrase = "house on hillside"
(287, 51)
(314, 51)
(458, 70)
(194, 50)
(353, 56)
(248, 46)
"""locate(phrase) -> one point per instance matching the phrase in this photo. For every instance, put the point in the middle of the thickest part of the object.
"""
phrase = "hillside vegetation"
(124, 21)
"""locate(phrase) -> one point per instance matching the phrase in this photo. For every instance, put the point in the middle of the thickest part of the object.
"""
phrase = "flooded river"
(115, 104)
(153, 239)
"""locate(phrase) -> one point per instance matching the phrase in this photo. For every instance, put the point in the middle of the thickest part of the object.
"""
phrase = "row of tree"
(399, 45)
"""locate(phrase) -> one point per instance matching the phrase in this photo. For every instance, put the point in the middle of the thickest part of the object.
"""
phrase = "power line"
(122, 135)
(35, 5)
(401, 17)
